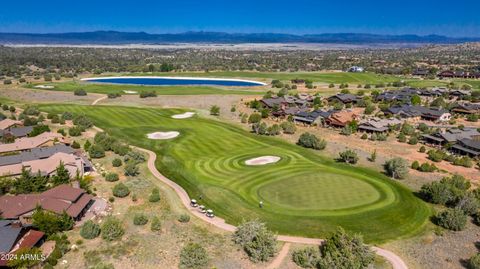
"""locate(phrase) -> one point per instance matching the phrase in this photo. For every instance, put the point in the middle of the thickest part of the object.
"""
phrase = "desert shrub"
(468, 203)
(134, 156)
(96, 151)
(184, 218)
(116, 162)
(452, 219)
(154, 196)
(348, 156)
(427, 167)
(254, 118)
(306, 258)
(39, 129)
(413, 140)
(113, 95)
(415, 165)
(146, 94)
(347, 130)
(436, 155)
(75, 145)
(364, 136)
(193, 256)
(111, 177)
(112, 229)
(257, 241)
(464, 161)
(474, 262)
(402, 138)
(30, 111)
(447, 191)
(156, 224)
(140, 219)
(90, 230)
(422, 149)
(308, 140)
(80, 92)
(131, 169)
(67, 115)
(82, 121)
(75, 131)
(274, 129)
(288, 127)
(260, 128)
(472, 117)
(341, 250)
(120, 190)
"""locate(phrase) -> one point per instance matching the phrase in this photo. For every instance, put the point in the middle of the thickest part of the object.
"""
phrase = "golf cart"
(202, 209)
(210, 213)
(193, 203)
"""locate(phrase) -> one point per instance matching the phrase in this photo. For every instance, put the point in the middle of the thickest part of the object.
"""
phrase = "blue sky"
(452, 18)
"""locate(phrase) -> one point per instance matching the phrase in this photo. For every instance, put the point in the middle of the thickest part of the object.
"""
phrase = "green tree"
(62, 176)
(396, 168)
(154, 196)
(288, 127)
(474, 262)
(96, 151)
(156, 224)
(306, 258)
(18, 262)
(415, 100)
(215, 110)
(140, 219)
(254, 118)
(257, 241)
(51, 223)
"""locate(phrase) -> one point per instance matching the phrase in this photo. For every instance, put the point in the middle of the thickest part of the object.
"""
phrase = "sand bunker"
(130, 92)
(184, 115)
(262, 160)
(163, 135)
(44, 87)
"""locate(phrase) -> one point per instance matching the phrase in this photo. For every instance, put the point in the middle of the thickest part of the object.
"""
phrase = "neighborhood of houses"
(394, 108)
(40, 155)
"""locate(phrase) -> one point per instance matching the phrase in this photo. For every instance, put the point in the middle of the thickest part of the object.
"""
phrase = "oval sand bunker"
(163, 135)
(262, 160)
(184, 115)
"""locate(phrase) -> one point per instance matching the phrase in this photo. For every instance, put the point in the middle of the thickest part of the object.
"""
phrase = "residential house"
(17, 132)
(378, 125)
(63, 198)
(344, 98)
(15, 236)
(316, 117)
(466, 146)
(6, 124)
(27, 143)
(409, 111)
(46, 167)
(274, 102)
(341, 118)
(467, 108)
(451, 136)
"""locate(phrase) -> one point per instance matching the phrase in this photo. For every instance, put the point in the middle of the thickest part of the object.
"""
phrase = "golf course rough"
(303, 194)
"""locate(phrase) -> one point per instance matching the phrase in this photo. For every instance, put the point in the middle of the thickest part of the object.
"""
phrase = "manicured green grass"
(160, 90)
(326, 77)
(303, 194)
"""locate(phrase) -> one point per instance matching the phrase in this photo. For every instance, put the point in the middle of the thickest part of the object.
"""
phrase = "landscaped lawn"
(160, 90)
(303, 194)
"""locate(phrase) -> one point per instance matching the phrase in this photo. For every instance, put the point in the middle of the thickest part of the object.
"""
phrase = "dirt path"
(99, 99)
(277, 262)
(395, 261)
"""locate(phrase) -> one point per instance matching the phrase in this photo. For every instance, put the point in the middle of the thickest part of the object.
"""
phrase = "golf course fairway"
(303, 194)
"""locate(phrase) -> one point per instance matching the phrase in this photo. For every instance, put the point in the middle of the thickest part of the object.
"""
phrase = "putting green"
(319, 191)
(303, 193)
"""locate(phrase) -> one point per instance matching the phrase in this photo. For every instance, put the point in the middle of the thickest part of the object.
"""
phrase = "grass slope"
(160, 90)
(304, 194)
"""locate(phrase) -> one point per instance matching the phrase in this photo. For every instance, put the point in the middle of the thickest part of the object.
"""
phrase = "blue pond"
(168, 81)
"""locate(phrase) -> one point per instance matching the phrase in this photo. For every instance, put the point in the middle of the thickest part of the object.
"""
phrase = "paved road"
(98, 100)
(395, 261)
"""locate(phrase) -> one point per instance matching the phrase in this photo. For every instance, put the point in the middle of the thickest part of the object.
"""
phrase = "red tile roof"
(30, 239)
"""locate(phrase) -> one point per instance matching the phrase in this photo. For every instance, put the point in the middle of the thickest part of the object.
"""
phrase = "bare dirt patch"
(45, 96)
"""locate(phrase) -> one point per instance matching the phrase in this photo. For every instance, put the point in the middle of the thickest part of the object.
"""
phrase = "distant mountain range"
(116, 38)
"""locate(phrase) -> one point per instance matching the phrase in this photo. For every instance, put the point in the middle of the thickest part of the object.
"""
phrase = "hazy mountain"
(114, 37)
